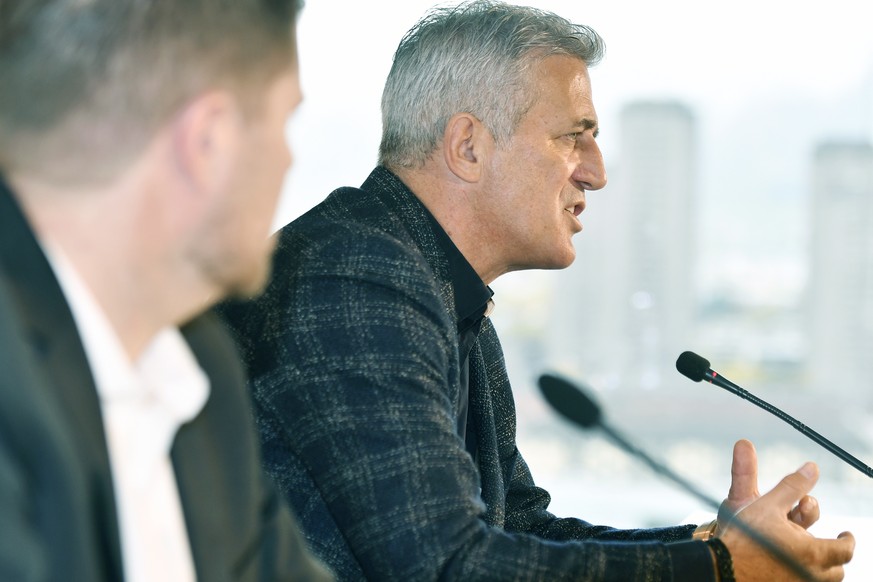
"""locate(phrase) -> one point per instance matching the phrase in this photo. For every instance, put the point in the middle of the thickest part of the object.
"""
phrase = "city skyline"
(839, 295)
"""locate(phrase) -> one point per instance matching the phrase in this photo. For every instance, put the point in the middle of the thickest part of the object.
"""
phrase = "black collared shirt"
(472, 303)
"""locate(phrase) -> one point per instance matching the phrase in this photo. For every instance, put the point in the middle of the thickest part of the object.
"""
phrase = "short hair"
(477, 58)
(84, 84)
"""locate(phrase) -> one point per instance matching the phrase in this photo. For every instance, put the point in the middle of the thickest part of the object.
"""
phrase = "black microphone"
(575, 405)
(697, 368)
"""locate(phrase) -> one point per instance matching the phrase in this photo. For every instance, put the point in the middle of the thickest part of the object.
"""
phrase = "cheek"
(282, 158)
(289, 152)
(259, 190)
(282, 145)
(273, 160)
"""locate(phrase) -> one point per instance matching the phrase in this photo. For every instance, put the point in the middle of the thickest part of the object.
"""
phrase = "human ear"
(206, 137)
(465, 145)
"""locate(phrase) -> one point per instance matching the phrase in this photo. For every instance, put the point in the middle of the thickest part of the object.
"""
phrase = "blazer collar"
(405, 208)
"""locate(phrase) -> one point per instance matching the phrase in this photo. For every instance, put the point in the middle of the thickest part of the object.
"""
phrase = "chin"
(564, 264)
(563, 259)
(554, 262)
(250, 284)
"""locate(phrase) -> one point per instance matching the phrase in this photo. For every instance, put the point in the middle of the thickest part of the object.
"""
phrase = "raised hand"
(781, 516)
(744, 489)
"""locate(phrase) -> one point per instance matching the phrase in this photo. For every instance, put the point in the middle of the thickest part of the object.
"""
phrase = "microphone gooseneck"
(576, 406)
(697, 368)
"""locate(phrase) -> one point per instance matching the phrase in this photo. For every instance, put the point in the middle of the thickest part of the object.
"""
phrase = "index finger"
(792, 488)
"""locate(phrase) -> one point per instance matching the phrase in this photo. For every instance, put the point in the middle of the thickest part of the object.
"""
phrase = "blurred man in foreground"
(142, 150)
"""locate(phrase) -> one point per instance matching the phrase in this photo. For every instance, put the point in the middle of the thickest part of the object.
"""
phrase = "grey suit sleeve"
(526, 505)
(359, 396)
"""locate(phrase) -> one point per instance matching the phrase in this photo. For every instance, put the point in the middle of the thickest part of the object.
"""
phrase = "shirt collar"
(473, 299)
(167, 367)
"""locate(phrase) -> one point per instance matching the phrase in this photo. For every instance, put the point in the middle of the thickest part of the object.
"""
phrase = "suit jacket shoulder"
(48, 531)
(47, 333)
(237, 527)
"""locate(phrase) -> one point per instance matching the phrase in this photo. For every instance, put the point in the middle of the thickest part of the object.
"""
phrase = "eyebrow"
(587, 123)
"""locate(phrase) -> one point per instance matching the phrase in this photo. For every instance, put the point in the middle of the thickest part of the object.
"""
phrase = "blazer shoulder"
(352, 233)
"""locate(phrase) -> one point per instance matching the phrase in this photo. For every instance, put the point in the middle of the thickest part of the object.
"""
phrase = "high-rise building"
(625, 309)
(840, 290)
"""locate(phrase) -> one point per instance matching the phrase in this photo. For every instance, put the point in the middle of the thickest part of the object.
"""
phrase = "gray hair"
(475, 58)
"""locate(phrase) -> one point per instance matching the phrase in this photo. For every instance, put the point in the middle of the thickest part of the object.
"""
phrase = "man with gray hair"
(379, 383)
(142, 150)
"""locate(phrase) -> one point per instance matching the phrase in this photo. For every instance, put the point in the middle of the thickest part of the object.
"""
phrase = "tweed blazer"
(353, 359)
(58, 518)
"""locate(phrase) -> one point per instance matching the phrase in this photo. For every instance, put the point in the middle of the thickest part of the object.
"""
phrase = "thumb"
(744, 476)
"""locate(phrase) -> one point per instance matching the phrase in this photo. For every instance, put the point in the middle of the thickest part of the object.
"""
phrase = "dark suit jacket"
(43, 493)
(56, 477)
(353, 356)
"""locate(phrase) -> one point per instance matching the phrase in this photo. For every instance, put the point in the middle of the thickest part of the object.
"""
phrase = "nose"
(590, 172)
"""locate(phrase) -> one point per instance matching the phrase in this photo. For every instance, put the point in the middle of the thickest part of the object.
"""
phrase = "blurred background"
(737, 223)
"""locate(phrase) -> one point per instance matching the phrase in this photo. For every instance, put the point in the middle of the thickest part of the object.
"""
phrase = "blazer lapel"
(214, 459)
(201, 502)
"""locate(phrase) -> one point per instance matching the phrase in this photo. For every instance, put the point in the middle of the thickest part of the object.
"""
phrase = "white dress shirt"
(143, 405)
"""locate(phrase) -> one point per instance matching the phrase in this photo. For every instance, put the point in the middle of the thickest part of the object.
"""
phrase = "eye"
(572, 136)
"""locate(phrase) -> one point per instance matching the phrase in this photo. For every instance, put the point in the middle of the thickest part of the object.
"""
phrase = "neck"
(109, 236)
(455, 206)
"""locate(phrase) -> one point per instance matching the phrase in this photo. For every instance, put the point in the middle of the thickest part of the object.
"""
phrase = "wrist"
(724, 565)
(706, 531)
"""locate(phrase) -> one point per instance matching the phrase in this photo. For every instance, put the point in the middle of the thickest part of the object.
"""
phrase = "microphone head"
(570, 401)
(693, 366)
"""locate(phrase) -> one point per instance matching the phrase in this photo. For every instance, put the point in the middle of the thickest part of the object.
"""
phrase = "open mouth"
(576, 209)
